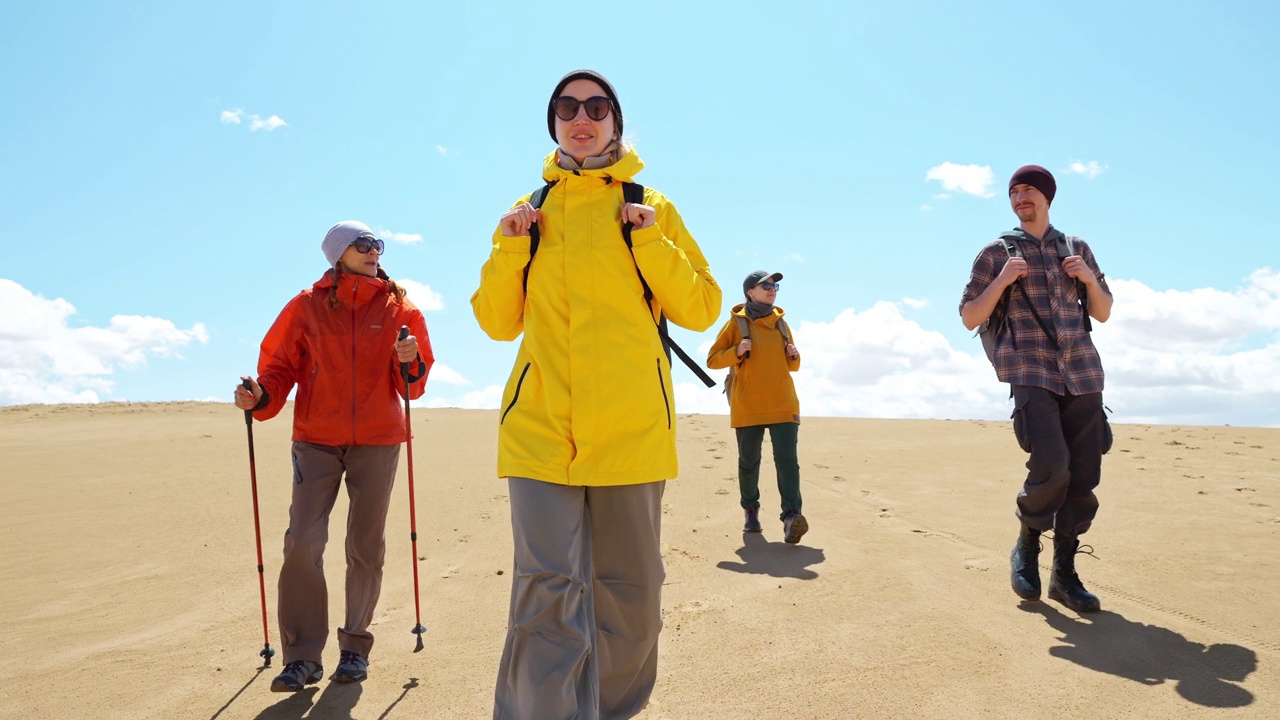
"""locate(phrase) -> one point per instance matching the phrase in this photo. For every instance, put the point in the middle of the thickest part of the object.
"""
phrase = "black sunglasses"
(770, 286)
(566, 107)
(364, 244)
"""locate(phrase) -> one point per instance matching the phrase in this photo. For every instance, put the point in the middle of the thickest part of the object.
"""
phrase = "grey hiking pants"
(303, 595)
(586, 602)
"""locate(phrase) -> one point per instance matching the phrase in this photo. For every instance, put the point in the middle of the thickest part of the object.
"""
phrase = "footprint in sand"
(722, 491)
(449, 572)
(974, 565)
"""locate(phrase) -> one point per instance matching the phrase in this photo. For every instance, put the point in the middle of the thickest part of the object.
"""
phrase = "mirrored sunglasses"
(770, 286)
(567, 107)
(365, 243)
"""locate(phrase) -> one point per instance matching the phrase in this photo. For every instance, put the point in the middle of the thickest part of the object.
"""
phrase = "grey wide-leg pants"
(586, 601)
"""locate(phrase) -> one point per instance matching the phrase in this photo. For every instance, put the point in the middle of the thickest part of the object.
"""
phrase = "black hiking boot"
(1064, 584)
(752, 525)
(794, 526)
(1024, 564)
(296, 675)
(353, 667)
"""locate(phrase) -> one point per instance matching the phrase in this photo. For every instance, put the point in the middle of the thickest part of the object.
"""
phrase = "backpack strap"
(786, 332)
(538, 197)
(634, 194)
(744, 329)
(1066, 248)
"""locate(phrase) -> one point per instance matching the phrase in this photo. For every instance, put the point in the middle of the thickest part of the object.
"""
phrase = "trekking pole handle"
(404, 366)
(248, 414)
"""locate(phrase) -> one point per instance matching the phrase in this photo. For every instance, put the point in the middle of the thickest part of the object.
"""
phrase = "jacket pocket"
(1107, 437)
(516, 395)
(1021, 431)
(666, 402)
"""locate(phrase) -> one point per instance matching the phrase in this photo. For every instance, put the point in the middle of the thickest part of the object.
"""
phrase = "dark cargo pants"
(1066, 436)
(784, 437)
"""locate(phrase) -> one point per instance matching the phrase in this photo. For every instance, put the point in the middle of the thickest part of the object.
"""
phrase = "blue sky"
(170, 170)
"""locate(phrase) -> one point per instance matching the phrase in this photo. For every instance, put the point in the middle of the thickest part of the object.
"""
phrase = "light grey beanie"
(340, 237)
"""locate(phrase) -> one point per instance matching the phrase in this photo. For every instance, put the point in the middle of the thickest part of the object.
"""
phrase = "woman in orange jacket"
(337, 341)
(762, 397)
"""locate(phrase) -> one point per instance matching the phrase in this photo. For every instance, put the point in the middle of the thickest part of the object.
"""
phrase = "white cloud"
(43, 359)
(970, 179)
(915, 303)
(1090, 170)
(271, 123)
(793, 257)
(486, 399)
(442, 150)
(404, 238)
(925, 208)
(423, 296)
(441, 373)
(1203, 356)
(234, 117)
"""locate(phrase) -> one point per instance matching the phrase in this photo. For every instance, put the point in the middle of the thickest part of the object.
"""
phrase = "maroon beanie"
(583, 74)
(1038, 178)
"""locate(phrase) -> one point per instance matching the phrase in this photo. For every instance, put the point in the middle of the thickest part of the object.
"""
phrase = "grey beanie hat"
(594, 77)
(758, 277)
(340, 237)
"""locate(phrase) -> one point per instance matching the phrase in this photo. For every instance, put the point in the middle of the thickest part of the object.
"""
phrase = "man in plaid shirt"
(1043, 350)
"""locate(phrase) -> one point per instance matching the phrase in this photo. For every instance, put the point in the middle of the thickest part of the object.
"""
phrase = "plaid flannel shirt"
(1024, 354)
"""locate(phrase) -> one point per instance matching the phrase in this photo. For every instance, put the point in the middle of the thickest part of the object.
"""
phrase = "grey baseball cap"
(758, 277)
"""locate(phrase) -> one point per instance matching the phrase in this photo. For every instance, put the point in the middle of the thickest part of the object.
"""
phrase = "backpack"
(989, 332)
(744, 328)
(632, 193)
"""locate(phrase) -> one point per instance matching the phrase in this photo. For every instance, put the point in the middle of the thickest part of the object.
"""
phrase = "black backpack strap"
(1000, 315)
(538, 197)
(634, 194)
(1067, 248)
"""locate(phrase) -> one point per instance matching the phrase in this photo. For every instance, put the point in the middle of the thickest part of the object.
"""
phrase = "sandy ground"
(130, 585)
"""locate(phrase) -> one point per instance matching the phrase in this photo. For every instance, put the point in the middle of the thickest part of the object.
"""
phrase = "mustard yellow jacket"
(762, 392)
(589, 401)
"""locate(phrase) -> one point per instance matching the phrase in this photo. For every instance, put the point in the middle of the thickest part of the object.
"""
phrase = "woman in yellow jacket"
(586, 433)
(762, 396)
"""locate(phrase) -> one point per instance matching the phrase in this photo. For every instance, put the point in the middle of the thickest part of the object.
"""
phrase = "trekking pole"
(266, 652)
(419, 628)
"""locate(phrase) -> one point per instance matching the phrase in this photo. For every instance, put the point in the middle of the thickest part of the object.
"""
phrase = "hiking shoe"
(297, 675)
(1064, 583)
(794, 526)
(353, 667)
(1024, 564)
(752, 525)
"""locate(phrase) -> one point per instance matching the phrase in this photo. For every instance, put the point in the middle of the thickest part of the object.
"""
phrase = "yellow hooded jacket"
(589, 401)
(762, 392)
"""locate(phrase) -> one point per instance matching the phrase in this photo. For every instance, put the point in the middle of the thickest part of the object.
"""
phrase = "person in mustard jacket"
(762, 397)
(337, 341)
(586, 434)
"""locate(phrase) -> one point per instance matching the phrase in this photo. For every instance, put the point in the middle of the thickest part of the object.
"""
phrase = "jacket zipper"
(515, 397)
(662, 386)
(354, 389)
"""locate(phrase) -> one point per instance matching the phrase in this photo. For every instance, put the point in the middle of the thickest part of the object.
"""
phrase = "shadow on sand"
(335, 703)
(1110, 643)
(761, 557)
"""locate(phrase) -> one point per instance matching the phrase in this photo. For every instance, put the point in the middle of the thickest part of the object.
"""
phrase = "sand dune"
(129, 575)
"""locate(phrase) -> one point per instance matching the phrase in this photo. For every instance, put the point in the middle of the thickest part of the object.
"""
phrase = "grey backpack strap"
(1067, 248)
(744, 329)
(786, 332)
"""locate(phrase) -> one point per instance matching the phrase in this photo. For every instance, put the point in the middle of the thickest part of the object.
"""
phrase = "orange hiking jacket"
(763, 392)
(350, 391)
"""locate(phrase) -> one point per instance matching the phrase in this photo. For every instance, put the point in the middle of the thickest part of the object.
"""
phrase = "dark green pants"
(784, 437)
